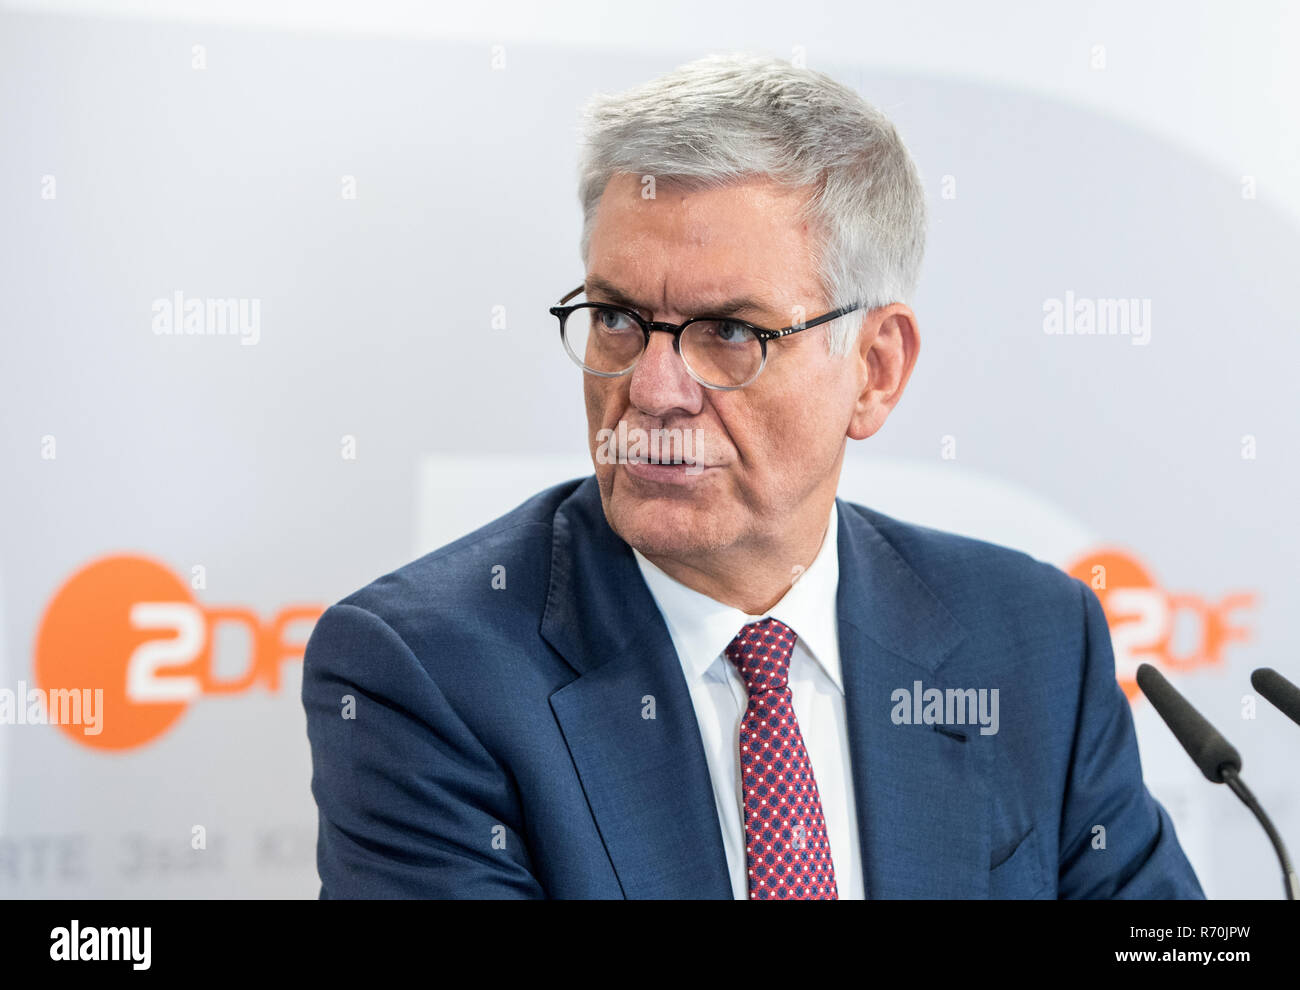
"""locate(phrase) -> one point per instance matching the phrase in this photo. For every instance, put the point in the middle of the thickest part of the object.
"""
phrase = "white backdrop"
(379, 196)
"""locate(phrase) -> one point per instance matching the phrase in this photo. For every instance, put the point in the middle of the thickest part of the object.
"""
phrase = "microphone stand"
(1290, 882)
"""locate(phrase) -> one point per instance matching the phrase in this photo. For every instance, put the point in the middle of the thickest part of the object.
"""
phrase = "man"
(698, 674)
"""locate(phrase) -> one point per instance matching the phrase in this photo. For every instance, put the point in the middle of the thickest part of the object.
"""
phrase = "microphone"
(1209, 751)
(1277, 689)
(1217, 759)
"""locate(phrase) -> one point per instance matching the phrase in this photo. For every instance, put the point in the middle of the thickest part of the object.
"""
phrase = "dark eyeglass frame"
(561, 312)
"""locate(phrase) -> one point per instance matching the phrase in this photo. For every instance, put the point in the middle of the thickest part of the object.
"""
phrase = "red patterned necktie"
(787, 854)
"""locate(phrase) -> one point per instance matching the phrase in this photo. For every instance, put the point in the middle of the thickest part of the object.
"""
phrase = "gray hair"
(724, 118)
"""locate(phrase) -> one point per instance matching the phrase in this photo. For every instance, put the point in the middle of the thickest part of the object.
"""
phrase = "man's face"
(771, 451)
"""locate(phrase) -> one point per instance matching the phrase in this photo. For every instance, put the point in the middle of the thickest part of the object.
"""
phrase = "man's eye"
(724, 331)
(612, 319)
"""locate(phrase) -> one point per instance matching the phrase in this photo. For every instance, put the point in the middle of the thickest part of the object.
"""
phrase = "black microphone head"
(1277, 689)
(1208, 749)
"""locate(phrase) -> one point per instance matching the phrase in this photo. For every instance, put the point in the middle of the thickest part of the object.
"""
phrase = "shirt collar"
(701, 627)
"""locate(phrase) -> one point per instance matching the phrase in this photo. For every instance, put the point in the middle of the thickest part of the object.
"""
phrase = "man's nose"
(661, 385)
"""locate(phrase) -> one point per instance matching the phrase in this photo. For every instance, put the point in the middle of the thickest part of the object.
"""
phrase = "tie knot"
(761, 652)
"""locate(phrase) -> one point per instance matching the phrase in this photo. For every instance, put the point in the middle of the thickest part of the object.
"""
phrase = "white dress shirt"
(701, 628)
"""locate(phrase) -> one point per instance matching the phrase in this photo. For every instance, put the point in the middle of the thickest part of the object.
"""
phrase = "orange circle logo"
(101, 631)
(1144, 619)
(124, 648)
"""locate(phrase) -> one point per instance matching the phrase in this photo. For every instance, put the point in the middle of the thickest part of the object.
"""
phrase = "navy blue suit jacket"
(497, 745)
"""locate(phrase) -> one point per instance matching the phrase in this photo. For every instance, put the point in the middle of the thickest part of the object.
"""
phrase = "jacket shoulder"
(970, 574)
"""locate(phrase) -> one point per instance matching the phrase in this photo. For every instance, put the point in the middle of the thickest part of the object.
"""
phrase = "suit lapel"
(646, 778)
(921, 795)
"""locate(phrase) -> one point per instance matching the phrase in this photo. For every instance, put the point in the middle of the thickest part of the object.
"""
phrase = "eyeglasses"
(719, 353)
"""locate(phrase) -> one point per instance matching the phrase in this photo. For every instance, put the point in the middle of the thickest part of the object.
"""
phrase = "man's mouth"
(670, 459)
(673, 451)
(680, 472)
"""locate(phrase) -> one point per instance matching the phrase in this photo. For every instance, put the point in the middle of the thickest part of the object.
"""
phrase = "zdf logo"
(1175, 632)
(131, 626)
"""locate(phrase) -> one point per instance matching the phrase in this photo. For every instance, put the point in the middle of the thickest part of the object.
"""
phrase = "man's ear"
(887, 348)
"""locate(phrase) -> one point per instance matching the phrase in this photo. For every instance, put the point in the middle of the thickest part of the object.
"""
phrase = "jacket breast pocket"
(1020, 875)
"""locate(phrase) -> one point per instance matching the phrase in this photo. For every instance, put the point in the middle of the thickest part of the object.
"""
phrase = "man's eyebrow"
(611, 292)
(730, 307)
